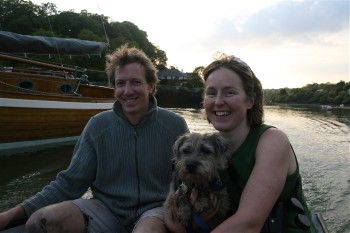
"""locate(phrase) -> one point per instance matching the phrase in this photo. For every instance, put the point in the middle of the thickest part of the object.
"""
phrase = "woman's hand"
(171, 221)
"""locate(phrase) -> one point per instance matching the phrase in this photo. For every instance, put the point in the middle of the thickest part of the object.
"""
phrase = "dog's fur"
(198, 161)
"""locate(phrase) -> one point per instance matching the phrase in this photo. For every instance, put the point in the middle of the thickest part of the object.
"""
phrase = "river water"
(321, 140)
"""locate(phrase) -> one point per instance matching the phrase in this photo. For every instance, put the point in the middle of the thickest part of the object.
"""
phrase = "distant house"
(171, 74)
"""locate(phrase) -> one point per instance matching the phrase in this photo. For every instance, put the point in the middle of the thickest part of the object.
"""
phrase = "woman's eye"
(230, 93)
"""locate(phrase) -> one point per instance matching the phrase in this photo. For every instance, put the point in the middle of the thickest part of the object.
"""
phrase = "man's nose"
(128, 88)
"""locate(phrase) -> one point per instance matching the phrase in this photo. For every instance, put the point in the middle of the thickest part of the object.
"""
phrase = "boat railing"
(36, 63)
(37, 71)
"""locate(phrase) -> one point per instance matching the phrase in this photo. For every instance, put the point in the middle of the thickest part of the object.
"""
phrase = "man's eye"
(210, 93)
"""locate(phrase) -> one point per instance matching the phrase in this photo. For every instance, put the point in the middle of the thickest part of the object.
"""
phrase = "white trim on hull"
(23, 103)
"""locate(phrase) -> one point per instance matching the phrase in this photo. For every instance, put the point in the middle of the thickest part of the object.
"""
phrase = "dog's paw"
(184, 215)
(202, 205)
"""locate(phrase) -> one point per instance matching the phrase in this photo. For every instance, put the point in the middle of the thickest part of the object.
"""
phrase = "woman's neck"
(236, 136)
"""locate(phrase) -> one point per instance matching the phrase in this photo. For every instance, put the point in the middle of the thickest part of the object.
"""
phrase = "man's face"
(132, 91)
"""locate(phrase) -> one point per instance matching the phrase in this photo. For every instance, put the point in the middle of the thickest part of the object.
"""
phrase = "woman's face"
(225, 101)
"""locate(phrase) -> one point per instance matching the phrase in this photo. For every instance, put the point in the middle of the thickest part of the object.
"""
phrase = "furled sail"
(17, 43)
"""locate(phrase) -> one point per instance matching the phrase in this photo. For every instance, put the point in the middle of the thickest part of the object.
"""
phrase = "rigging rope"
(58, 53)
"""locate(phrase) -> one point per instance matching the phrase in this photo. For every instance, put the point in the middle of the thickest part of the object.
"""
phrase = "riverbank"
(308, 105)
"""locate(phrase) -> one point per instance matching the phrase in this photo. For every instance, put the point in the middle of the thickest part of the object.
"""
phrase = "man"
(123, 155)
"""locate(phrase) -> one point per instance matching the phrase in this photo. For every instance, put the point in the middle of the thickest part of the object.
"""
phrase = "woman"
(264, 179)
(263, 176)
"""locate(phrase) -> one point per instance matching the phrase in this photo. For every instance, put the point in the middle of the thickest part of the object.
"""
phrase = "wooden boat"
(18, 226)
(41, 103)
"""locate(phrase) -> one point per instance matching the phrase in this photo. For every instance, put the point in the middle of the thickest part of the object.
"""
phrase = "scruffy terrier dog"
(198, 159)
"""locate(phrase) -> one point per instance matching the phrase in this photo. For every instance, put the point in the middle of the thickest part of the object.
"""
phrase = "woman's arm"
(265, 184)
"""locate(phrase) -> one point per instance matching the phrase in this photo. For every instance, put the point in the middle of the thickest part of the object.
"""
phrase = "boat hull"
(316, 218)
(28, 123)
(40, 107)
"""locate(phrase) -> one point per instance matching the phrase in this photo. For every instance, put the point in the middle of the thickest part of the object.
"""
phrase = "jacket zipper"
(137, 175)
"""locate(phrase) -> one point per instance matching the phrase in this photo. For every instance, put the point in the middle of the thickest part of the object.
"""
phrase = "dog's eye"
(205, 150)
(187, 151)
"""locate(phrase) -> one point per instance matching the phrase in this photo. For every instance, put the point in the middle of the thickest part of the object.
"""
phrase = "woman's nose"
(219, 99)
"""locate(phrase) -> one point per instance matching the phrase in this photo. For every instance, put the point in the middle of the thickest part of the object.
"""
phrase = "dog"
(199, 159)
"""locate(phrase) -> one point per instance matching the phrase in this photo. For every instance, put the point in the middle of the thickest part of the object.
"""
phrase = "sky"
(287, 43)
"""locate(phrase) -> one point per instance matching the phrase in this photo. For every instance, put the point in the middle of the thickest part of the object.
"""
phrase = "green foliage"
(24, 17)
(331, 94)
(194, 81)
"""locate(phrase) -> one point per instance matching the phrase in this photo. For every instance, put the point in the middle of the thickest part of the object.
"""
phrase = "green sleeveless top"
(241, 164)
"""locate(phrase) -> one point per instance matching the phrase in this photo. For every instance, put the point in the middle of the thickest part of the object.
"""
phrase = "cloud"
(292, 21)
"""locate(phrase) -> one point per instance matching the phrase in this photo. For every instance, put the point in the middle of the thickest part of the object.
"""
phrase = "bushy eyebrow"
(225, 88)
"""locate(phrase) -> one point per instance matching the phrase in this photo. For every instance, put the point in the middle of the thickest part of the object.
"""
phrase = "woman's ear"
(251, 101)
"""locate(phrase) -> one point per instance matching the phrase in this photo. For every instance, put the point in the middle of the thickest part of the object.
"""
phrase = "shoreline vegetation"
(177, 96)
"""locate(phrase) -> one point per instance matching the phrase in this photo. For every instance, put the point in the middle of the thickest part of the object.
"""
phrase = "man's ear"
(152, 88)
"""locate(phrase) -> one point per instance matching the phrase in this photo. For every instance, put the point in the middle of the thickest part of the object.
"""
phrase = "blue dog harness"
(216, 185)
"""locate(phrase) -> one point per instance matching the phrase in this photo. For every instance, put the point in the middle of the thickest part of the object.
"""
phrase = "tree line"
(324, 94)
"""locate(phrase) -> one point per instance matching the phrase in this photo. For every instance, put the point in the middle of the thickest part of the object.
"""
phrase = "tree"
(199, 71)
(18, 16)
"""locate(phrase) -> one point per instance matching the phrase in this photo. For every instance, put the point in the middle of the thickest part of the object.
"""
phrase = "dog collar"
(216, 185)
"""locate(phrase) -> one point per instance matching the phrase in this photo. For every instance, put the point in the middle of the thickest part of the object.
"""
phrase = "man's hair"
(124, 56)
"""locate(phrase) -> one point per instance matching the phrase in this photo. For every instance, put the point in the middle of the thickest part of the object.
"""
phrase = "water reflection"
(320, 138)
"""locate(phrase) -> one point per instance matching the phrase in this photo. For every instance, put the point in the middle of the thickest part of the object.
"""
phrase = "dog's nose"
(191, 167)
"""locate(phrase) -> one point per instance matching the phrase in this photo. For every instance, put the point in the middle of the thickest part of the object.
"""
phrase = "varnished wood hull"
(42, 114)
(30, 123)
(36, 122)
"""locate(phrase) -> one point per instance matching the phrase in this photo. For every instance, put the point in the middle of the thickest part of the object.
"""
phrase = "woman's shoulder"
(274, 132)
(271, 138)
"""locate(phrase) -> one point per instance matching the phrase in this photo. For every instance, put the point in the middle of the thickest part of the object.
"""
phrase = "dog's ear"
(178, 143)
(221, 143)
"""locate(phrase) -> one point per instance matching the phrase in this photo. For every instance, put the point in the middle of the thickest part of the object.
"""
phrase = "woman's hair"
(251, 84)
(124, 56)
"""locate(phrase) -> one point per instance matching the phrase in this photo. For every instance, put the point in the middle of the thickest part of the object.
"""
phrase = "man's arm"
(11, 215)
